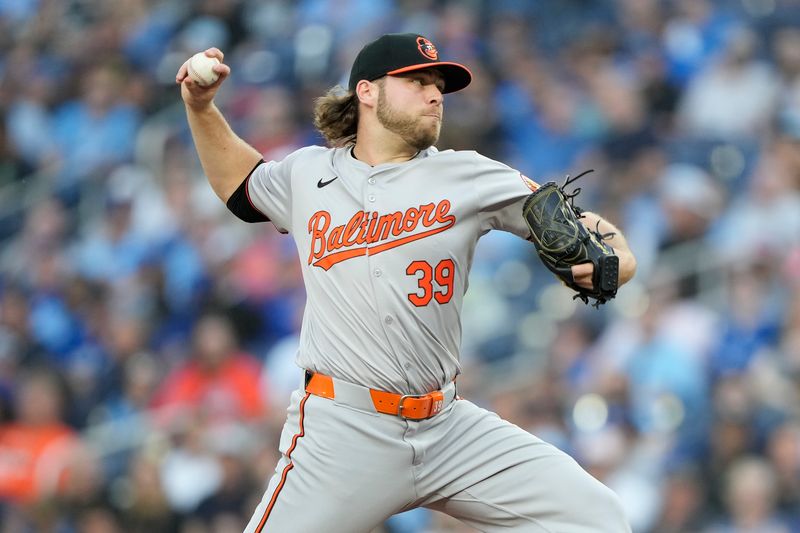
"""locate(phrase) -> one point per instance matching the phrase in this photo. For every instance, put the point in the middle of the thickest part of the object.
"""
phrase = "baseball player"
(386, 227)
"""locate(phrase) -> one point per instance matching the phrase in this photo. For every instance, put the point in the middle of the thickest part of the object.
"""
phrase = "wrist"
(200, 107)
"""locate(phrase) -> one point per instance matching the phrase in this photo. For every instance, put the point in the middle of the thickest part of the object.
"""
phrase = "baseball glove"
(562, 241)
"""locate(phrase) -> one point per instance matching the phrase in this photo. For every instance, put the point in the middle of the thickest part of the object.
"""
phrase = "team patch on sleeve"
(529, 183)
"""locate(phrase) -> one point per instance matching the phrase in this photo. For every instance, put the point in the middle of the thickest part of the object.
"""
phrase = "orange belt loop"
(320, 385)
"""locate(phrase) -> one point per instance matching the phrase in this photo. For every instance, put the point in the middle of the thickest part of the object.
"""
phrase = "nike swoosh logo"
(321, 184)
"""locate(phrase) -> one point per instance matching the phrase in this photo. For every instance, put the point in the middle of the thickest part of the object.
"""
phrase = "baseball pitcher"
(386, 227)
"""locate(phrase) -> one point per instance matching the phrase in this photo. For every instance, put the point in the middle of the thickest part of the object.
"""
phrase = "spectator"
(146, 508)
(190, 472)
(43, 235)
(219, 382)
(765, 222)
(783, 451)
(37, 449)
(123, 417)
(692, 36)
(113, 251)
(751, 323)
(19, 350)
(29, 119)
(737, 81)
(785, 49)
(750, 493)
(690, 201)
(12, 167)
(96, 131)
(682, 507)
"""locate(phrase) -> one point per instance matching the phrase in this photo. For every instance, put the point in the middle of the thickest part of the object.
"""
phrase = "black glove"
(562, 241)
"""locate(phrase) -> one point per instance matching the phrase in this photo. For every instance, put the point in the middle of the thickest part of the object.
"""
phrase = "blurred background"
(147, 336)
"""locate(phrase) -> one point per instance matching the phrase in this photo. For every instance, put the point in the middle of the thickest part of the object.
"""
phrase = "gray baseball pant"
(346, 468)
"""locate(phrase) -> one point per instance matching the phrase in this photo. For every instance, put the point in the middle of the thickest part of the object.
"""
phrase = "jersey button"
(371, 181)
(371, 197)
(378, 272)
(388, 319)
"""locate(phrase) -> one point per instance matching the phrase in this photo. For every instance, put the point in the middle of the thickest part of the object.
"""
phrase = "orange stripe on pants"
(286, 469)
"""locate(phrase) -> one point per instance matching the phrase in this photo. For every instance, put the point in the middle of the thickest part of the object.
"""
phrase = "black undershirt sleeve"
(240, 205)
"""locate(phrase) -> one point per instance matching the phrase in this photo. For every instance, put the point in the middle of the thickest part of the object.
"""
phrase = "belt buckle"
(436, 399)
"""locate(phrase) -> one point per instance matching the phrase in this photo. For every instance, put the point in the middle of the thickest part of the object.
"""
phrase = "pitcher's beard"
(411, 129)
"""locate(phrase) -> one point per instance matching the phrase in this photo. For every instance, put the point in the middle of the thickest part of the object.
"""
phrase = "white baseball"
(200, 68)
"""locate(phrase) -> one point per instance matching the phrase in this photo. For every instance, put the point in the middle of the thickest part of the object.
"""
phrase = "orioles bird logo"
(427, 48)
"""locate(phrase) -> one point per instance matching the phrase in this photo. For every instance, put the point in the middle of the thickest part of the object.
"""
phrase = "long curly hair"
(336, 116)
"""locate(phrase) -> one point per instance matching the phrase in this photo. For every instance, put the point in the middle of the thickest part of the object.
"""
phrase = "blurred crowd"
(147, 337)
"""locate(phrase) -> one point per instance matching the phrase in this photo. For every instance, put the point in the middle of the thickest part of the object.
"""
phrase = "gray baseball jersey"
(386, 253)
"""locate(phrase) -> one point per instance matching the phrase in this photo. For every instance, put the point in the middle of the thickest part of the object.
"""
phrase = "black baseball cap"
(395, 53)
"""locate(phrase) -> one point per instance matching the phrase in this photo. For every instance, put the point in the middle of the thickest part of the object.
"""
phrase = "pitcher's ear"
(368, 91)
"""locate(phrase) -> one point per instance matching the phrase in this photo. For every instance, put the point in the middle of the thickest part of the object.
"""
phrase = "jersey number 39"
(443, 275)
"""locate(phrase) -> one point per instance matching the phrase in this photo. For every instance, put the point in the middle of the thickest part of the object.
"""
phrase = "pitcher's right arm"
(226, 158)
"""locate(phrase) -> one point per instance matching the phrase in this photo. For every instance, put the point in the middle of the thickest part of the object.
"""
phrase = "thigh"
(498, 477)
(341, 471)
